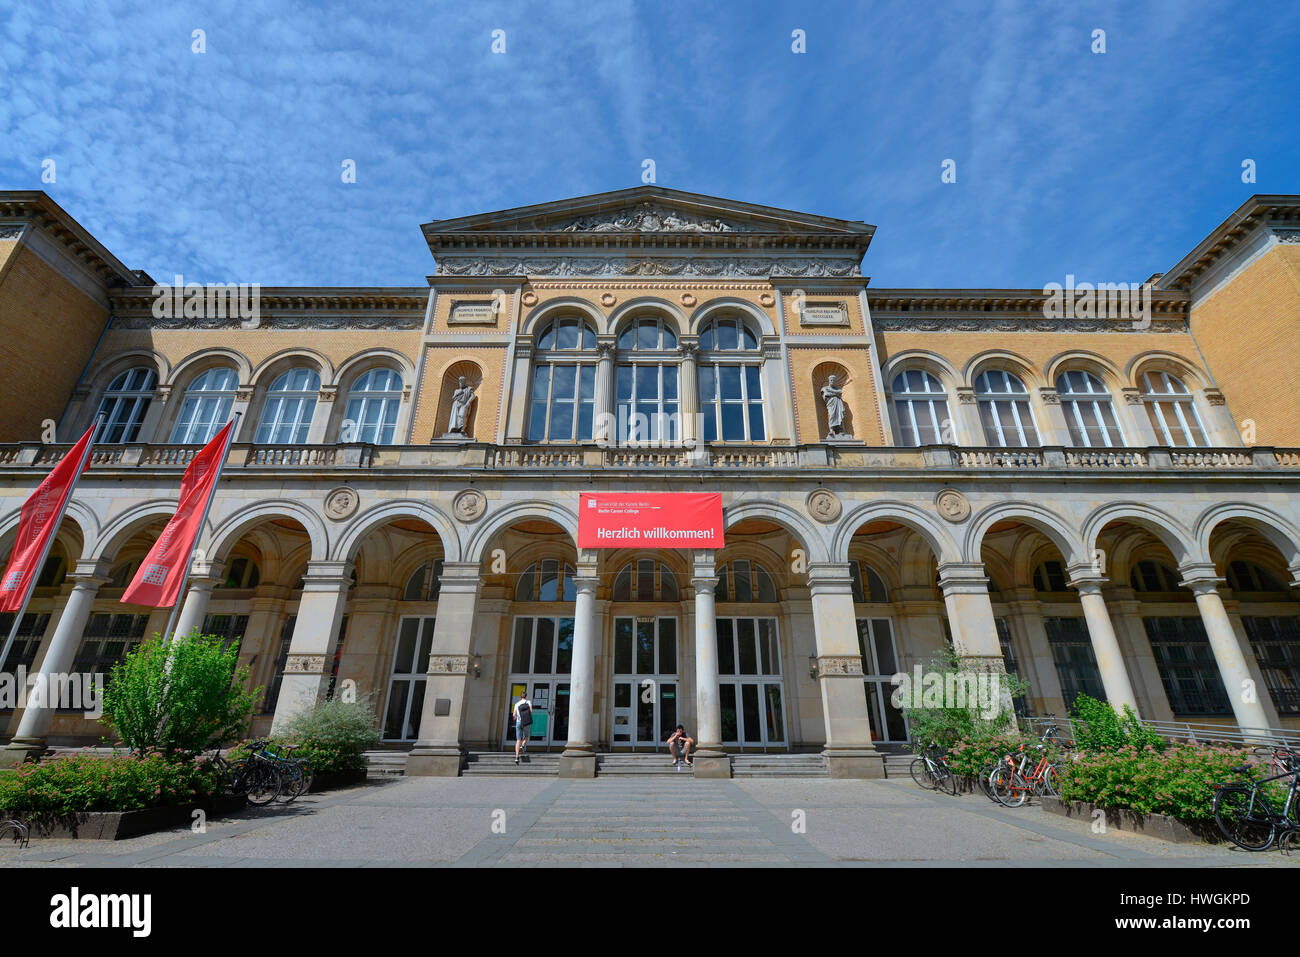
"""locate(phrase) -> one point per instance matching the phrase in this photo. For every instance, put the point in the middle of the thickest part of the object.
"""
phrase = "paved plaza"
(652, 822)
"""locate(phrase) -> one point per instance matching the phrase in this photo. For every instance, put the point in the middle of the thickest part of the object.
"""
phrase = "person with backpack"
(523, 724)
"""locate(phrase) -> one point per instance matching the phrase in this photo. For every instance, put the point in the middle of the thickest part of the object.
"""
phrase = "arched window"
(372, 408)
(637, 582)
(744, 581)
(206, 408)
(731, 382)
(564, 383)
(646, 383)
(425, 582)
(1050, 576)
(1247, 576)
(1088, 409)
(242, 573)
(541, 581)
(290, 404)
(1150, 575)
(867, 585)
(1004, 410)
(1172, 412)
(921, 403)
(125, 402)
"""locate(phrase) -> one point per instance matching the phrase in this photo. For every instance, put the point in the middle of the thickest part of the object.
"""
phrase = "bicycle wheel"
(921, 774)
(1009, 788)
(1248, 825)
(946, 781)
(304, 776)
(261, 783)
(985, 774)
(291, 778)
(1050, 783)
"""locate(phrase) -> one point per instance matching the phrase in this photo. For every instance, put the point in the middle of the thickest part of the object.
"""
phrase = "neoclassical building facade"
(1099, 502)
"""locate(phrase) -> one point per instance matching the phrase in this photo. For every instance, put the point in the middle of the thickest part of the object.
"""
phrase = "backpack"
(525, 711)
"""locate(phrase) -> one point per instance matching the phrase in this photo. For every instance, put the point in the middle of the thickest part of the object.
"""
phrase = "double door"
(879, 664)
(645, 682)
(751, 691)
(541, 660)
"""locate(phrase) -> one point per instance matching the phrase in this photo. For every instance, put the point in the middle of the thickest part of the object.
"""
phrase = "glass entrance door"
(645, 681)
(879, 665)
(406, 686)
(750, 687)
(541, 660)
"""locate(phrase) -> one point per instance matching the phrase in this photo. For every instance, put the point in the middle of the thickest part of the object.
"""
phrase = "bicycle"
(1243, 812)
(1012, 785)
(256, 780)
(931, 771)
(295, 773)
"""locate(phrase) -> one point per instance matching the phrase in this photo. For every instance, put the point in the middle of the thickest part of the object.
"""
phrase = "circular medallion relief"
(342, 503)
(688, 299)
(530, 299)
(469, 505)
(823, 505)
(767, 299)
(952, 505)
(607, 299)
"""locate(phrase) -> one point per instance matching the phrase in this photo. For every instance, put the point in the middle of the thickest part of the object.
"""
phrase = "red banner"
(650, 520)
(158, 581)
(39, 523)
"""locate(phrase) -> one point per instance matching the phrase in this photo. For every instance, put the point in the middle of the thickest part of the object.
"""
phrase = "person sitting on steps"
(680, 738)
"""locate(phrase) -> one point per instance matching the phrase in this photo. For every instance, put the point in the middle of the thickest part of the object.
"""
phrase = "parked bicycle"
(931, 771)
(1244, 813)
(1013, 781)
(255, 779)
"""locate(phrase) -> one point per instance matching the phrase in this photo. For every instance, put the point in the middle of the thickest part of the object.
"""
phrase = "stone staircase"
(503, 762)
(388, 764)
(898, 758)
(385, 764)
(778, 765)
(625, 763)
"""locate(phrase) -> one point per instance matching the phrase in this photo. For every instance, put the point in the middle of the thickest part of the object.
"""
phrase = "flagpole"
(49, 543)
(185, 577)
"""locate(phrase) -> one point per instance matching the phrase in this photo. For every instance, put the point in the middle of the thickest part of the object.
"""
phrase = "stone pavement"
(655, 822)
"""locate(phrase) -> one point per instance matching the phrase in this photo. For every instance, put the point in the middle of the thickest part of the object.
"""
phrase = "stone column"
(1131, 412)
(203, 578)
(1110, 661)
(311, 649)
(1053, 429)
(710, 760)
(1126, 615)
(579, 757)
(1233, 608)
(151, 426)
(320, 418)
(849, 750)
(688, 391)
(1039, 665)
(966, 419)
(1243, 692)
(605, 425)
(438, 750)
(970, 614)
(29, 742)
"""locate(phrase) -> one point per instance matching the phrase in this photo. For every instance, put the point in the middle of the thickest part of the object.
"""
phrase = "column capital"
(460, 578)
(1086, 578)
(1294, 569)
(327, 576)
(829, 578)
(586, 584)
(704, 583)
(702, 564)
(963, 578)
(1201, 577)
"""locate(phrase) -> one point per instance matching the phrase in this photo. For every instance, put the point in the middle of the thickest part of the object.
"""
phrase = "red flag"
(158, 581)
(38, 524)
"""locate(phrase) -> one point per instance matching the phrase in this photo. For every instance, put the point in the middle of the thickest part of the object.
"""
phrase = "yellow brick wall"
(48, 330)
(1249, 331)
(433, 400)
(859, 393)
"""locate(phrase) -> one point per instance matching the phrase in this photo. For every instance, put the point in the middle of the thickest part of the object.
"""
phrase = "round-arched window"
(1089, 411)
(1005, 412)
(289, 406)
(547, 580)
(206, 408)
(373, 401)
(125, 402)
(921, 404)
(645, 580)
(563, 400)
(743, 581)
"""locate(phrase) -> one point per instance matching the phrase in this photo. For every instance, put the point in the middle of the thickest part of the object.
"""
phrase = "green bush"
(946, 727)
(1097, 727)
(85, 782)
(334, 735)
(1178, 781)
(971, 755)
(181, 698)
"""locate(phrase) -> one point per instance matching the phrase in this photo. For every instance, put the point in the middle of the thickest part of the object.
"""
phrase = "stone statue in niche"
(833, 397)
(461, 400)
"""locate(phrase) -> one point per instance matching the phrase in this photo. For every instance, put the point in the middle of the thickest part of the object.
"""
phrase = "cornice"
(1277, 212)
(35, 207)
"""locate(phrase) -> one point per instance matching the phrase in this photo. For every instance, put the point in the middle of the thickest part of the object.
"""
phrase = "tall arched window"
(425, 583)
(1149, 575)
(731, 382)
(744, 581)
(646, 382)
(921, 403)
(290, 404)
(564, 383)
(125, 402)
(1088, 410)
(1004, 410)
(867, 585)
(1172, 412)
(372, 408)
(638, 582)
(206, 407)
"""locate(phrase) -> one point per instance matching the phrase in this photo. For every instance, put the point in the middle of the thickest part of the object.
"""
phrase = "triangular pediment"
(646, 210)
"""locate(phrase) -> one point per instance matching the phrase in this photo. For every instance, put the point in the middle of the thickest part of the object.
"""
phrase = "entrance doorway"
(406, 686)
(645, 681)
(879, 665)
(541, 660)
(750, 688)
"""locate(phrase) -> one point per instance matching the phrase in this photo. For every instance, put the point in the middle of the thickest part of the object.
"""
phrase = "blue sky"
(225, 166)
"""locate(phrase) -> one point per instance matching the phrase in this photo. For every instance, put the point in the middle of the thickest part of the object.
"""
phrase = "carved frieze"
(650, 218)
(837, 665)
(304, 665)
(625, 265)
(1034, 322)
(449, 664)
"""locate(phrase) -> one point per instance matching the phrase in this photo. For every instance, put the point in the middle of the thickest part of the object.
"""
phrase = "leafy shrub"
(1097, 727)
(85, 782)
(181, 698)
(969, 756)
(334, 735)
(1178, 781)
(945, 727)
